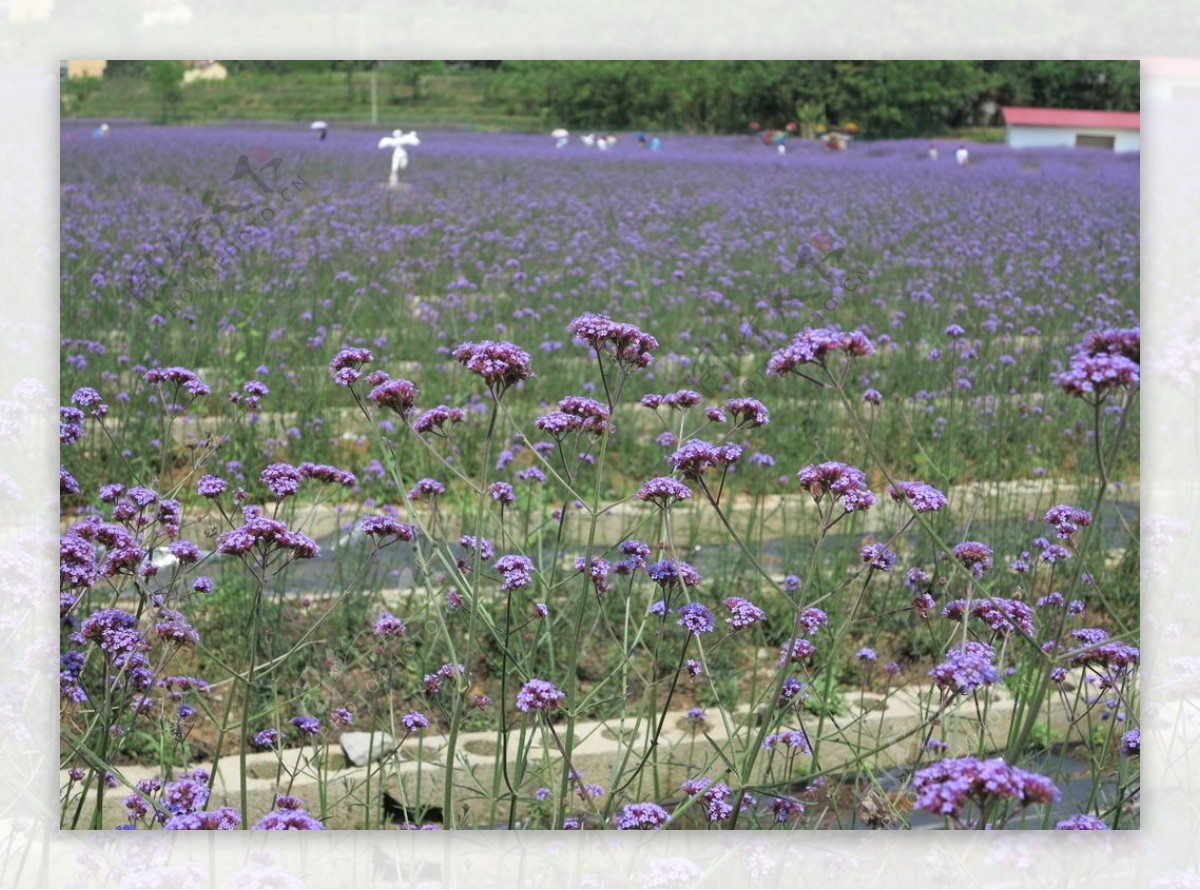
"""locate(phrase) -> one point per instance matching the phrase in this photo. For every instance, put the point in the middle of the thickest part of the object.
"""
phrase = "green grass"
(453, 101)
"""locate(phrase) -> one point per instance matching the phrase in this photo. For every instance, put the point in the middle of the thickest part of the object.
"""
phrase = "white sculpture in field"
(397, 141)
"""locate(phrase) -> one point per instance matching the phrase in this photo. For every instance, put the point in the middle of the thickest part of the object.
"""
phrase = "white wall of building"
(1019, 136)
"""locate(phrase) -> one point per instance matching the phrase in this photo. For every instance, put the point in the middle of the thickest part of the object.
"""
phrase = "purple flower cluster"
(946, 787)
(598, 571)
(624, 342)
(878, 557)
(923, 497)
(282, 480)
(750, 413)
(388, 625)
(436, 419)
(792, 739)
(667, 572)
(1107, 360)
(288, 815)
(426, 488)
(326, 473)
(812, 345)
(576, 414)
(695, 618)
(383, 526)
(1067, 519)
(967, 668)
(397, 395)
(645, 816)
(501, 364)
(664, 491)
(975, 557)
(1081, 822)
(539, 695)
(266, 534)
(742, 612)
(181, 377)
(344, 367)
(696, 456)
(838, 480)
(1001, 615)
(517, 571)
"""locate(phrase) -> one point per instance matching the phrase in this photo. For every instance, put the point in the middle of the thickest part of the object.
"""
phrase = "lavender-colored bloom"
(483, 545)
(436, 419)
(748, 412)
(266, 534)
(796, 651)
(397, 395)
(975, 557)
(792, 739)
(1097, 375)
(1131, 743)
(629, 346)
(187, 794)
(645, 816)
(923, 497)
(865, 654)
(664, 491)
(288, 816)
(696, 456)
(812, 345)
(788, 692)
(666, 572)
(414, 721)
(221, 819)
(878, 557)
(517, 571)
(1001, 615)
(692, 787)
(539, 695)
(426, 488)
(383, 526)
(181, 377)
(344, 367)
(265, 740)
(1081, 822)
(872, 396)
(966, 669)
(791, 583)
(1067, 519)
(327, 473)
(695, 618)
(598, 572)
(388, 625)
(502, 493)
(812, 619)
(210, 486)
(743, 613)
(306, 726)
(282, 479)
(499, 363)
(946, 787)
(839, 480)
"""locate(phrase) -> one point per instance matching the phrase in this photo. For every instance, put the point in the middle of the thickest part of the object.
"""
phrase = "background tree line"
(886, 99)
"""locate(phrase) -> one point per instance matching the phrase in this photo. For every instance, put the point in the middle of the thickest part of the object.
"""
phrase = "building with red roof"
(1072, 128)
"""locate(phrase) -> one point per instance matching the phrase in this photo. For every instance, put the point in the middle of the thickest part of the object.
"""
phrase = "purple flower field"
(549, 436)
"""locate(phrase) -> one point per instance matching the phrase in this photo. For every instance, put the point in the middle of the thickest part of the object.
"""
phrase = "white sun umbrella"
(560, 133)
(318, 125)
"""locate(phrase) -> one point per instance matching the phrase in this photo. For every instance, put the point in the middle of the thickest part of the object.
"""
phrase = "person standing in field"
(933, 154)
(961, 156)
